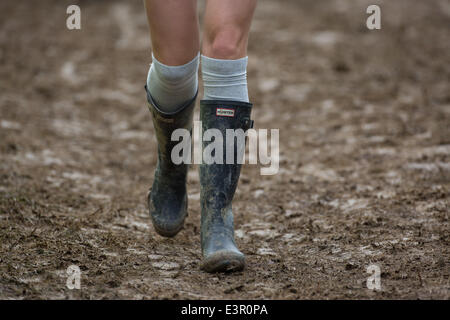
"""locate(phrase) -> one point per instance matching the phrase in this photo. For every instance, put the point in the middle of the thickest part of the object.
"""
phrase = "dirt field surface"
(364, 119)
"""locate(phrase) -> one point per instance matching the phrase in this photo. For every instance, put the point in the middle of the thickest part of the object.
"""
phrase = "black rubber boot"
(167, 199)
(218, 183)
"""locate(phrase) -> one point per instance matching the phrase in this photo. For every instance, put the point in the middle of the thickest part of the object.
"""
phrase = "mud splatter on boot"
(218, 185)
(167, 199)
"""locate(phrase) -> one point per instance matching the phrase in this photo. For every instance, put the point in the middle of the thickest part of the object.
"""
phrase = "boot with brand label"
(218, 183)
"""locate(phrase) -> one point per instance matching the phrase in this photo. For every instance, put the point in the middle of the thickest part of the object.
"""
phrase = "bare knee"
(225, 43)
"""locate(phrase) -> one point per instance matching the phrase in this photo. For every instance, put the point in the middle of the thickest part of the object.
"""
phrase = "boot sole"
(223, 261)
(167, 233)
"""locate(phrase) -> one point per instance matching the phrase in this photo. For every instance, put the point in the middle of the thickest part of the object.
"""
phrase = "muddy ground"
(364, 119)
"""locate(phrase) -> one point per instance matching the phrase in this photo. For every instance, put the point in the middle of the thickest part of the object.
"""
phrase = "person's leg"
(173, 76)
(224, 49)
(174, 30)
(171, 92)
(224, 106)
(227, 26)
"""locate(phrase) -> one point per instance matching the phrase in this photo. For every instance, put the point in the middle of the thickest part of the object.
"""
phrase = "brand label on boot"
(225, 112)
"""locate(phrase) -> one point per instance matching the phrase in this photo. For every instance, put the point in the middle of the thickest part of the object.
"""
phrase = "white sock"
(225, 79)
(172, 86)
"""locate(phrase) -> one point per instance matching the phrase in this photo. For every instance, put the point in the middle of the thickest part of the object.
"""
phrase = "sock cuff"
(226, 67)
(224, 79)
(174, 74)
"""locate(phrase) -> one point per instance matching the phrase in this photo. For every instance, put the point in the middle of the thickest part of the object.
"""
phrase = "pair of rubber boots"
(167, 198)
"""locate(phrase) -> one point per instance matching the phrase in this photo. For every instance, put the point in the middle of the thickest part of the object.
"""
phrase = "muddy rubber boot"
(167, 199)
(218, 183)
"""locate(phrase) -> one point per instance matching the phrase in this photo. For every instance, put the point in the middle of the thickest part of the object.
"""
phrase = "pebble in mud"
(265, 252)
(166, 266)
(155, 257)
